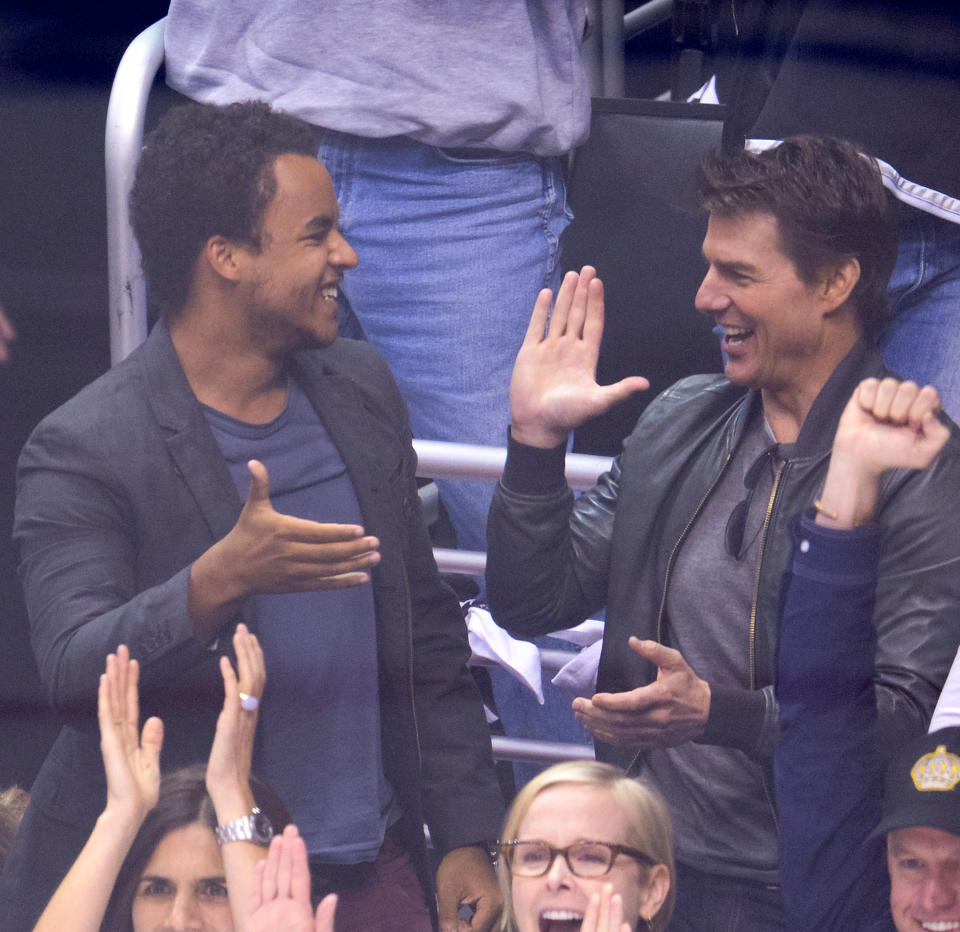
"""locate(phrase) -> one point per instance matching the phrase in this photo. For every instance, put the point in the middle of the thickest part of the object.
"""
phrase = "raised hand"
(228, 768)
(131, 759)
(671, 710)
(554, 385)
(281, 894)
(132, 765)
(886, 424)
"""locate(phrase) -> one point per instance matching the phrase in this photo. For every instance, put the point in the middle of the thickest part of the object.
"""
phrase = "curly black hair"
(829, 203)
(206, 170)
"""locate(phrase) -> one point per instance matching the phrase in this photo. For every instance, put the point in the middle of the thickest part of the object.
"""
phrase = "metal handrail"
(124, 138)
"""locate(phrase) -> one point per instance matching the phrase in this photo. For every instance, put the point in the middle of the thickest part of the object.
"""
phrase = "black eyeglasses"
(737, 522)
(584, 858)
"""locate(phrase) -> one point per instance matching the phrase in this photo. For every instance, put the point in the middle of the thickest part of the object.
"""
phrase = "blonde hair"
(644, 815)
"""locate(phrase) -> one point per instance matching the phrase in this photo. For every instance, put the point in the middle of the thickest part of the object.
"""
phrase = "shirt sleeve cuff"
(736, 718)
(532, 470)
(830, 555)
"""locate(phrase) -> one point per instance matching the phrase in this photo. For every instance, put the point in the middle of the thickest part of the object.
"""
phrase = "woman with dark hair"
(182, 850)
(177, 839)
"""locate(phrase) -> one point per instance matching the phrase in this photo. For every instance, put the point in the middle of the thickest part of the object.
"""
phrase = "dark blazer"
(119, 490)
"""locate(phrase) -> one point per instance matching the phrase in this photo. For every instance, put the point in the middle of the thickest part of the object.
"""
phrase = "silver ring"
(248, 702)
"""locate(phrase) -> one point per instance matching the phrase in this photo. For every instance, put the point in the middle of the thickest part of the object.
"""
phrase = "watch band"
(255, 827)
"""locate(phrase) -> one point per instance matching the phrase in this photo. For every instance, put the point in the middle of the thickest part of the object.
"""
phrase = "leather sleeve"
(548, 554)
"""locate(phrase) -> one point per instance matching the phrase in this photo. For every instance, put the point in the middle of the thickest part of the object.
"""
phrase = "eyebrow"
(152, 878)
(319, 224)
(734, 268)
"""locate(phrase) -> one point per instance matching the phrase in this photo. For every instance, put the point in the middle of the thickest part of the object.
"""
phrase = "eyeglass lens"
(585, 858)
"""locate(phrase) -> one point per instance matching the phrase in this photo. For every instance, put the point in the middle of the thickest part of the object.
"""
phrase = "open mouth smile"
(560, 920)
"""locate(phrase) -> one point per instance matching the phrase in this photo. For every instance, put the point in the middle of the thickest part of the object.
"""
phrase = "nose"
(559, 874)
(342, 254)
(711, 296)
(940, 892)
(184, 913)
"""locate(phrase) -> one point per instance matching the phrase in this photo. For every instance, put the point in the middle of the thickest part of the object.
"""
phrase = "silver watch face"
(262, 830)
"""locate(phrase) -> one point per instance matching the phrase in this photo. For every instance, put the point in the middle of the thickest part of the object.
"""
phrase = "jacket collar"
(194, 450)
(818, 430)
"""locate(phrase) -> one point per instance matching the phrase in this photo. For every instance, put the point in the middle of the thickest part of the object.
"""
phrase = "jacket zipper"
(756, 579)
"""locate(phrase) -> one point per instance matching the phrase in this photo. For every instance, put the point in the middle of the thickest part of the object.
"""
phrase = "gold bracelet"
(818, 505)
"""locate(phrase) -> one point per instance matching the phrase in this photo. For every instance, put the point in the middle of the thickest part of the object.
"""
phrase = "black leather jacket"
(553, 560)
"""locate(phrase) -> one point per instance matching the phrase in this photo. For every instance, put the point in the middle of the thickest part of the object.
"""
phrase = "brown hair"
(829, 203)
(183, 800)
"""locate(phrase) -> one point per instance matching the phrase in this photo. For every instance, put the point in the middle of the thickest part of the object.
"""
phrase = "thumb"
(259, 484)
(623, 389)
(665, 658)
(323, 921)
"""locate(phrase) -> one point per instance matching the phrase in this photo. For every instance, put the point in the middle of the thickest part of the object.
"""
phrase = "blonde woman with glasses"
(586, 849)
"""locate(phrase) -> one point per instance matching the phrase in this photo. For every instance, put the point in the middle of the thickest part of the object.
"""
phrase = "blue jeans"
(922, 341)
(453, 249)
(710, 903)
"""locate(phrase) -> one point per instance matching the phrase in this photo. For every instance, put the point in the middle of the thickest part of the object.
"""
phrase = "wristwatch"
(255, 827)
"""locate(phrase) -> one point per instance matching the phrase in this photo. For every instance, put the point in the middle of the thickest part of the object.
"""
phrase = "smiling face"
(778, 331)
(183, 886)
(924, 866)
(289, 287)
(561, 815)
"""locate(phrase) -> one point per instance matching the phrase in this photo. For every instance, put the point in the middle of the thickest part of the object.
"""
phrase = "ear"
(838, 282)
(223, 256)
(658, 886)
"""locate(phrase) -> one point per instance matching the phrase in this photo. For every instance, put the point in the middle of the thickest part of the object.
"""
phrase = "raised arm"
(132, 765)
(886, 425)
(828, 767)
(228, 768)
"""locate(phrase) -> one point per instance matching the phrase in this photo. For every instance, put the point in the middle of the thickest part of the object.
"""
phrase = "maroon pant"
(383, 896)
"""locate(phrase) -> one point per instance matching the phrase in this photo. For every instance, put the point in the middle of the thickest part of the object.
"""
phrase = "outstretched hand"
(671, 710)
(269, 552)
(280, 553)
(131, 759)
(886, 424)
(554, 385)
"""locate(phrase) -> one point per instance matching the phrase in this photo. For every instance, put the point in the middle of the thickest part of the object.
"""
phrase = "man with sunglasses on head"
(684, 540)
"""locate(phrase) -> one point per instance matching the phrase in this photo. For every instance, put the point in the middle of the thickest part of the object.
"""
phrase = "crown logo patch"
(937, 770)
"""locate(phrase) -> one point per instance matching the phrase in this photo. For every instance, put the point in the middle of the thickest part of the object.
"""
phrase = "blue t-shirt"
(318, 742)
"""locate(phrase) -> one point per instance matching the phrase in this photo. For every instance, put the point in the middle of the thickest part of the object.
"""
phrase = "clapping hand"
(228, 768)
(605, 912)
(281, 895)
(131, 758)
